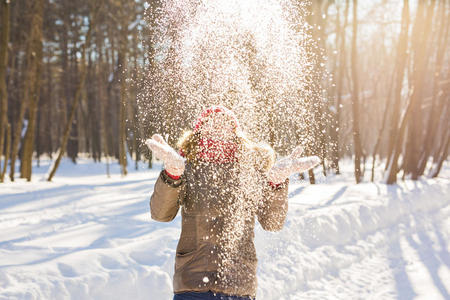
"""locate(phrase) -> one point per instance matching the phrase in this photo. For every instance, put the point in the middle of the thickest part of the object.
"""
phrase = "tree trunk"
(29, 77)
(101, 91)
(378, 142)
(420, 52)
(355, 96)
(341, 68)
(443, 153)
(7, 150)
(391, 174)
(3, 88)
(123, 94)
(35, 84)
(399, 73)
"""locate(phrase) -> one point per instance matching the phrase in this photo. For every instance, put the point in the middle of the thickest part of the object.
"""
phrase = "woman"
(222, 181)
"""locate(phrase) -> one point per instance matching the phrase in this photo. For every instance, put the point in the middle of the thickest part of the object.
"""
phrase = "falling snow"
(255, 58)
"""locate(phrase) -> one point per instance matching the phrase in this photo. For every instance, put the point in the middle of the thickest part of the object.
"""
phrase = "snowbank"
(357, 231)
(85, 236)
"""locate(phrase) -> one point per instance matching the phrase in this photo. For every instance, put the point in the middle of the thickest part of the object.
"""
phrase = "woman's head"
(217, 122)
(220, 123)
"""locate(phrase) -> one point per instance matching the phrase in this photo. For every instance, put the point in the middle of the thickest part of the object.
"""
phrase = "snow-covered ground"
(86, 236)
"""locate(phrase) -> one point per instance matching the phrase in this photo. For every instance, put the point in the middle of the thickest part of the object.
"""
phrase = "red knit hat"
(213, 110)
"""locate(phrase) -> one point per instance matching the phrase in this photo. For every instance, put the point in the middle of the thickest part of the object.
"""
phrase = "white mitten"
(293, 163)
(173, 162)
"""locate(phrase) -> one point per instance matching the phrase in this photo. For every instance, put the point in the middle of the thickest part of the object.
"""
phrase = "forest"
(75, 77)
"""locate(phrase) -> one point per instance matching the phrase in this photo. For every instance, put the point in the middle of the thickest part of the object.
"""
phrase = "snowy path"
(85, 236)
(364, 250)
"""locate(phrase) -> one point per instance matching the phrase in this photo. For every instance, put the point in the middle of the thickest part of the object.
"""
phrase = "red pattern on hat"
(216, 151)
(215, 109)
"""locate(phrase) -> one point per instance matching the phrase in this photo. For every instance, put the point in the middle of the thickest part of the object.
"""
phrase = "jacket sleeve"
(165, 200)
(274, 206)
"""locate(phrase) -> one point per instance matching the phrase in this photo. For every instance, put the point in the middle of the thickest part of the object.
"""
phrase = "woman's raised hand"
(173, 162)
(293, 163)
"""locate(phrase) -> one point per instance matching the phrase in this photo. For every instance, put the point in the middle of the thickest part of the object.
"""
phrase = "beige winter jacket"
(207, 210)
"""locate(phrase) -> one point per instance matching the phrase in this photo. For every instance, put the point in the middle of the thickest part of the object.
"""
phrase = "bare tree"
(355, 96)
(5, 8)
(341, 38)
(421, 53)
(34, 86)
(30, 66)
(123, 89)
